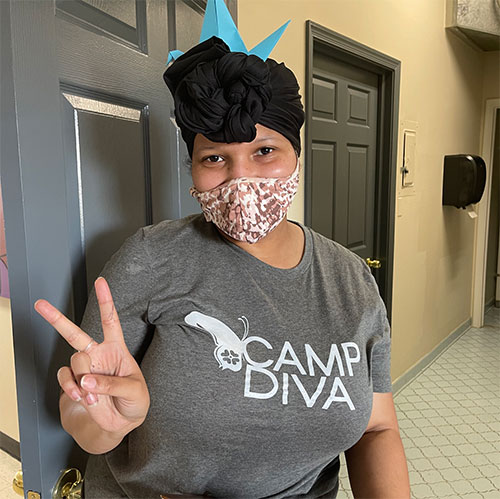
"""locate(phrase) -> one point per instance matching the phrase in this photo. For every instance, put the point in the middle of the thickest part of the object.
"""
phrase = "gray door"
(343, 133)
(89, 153)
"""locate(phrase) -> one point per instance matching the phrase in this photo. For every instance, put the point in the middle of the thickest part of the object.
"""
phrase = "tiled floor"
(449, 418)
(8, 468)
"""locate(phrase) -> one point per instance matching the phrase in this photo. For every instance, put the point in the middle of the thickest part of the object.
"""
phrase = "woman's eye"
(266, 150)
(213, 159)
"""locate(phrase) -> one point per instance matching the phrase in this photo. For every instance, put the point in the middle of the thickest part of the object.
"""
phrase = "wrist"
(119, 435)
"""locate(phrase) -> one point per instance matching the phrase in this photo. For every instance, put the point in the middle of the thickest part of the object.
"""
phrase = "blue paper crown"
(218, 22)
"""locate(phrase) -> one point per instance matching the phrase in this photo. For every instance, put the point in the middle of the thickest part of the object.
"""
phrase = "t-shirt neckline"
(301, 267)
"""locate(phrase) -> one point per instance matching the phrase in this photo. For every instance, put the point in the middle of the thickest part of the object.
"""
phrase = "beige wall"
(8, 400)
(443, 86)
(491, 83)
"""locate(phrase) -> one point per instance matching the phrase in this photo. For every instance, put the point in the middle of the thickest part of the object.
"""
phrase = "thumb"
(126, 387)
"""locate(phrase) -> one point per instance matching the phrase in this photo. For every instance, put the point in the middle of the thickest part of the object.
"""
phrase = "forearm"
(87, 434)
(377, 466)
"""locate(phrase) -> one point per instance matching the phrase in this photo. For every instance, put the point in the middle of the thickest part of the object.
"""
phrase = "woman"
(241, 352)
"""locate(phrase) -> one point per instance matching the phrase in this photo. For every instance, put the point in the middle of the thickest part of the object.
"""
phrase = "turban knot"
(223, 95)
(224, 98)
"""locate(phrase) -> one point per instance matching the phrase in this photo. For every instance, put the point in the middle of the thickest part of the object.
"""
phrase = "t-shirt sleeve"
(128, 273)
(381, 335)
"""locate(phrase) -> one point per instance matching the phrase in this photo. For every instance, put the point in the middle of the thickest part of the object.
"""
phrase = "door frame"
(483, 212)
(388, 70)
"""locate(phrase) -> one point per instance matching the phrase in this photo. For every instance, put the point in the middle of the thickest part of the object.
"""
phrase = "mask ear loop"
(297, 168)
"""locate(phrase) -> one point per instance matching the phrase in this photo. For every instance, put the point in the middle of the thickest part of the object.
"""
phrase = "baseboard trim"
(10, 446)
(420, 366)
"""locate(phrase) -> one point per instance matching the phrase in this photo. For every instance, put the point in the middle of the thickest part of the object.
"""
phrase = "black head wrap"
(223, 95)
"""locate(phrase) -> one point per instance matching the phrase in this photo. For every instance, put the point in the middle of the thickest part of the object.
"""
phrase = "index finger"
(111, 327)
(75, 336)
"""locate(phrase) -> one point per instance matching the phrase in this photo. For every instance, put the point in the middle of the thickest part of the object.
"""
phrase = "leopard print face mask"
(248, 208)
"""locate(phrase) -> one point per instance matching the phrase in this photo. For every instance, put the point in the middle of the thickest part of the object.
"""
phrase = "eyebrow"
(214, 148)
(264, 139)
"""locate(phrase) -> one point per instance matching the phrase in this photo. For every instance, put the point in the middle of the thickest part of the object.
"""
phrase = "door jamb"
(482, 226)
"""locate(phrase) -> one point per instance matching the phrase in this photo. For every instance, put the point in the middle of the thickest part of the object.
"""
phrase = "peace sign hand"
(113, 389)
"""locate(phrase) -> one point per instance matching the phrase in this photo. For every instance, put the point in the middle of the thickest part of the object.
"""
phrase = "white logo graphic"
(230, 351)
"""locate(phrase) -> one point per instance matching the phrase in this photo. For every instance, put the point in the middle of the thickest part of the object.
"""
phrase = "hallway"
(449, 422)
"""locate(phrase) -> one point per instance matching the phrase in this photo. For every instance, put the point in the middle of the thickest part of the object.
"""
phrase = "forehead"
(263, 135)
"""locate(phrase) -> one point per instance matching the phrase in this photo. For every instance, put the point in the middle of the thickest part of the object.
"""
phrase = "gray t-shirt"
(259, 377)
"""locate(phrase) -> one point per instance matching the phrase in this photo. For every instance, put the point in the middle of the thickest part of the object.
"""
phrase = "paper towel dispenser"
(464, 179)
